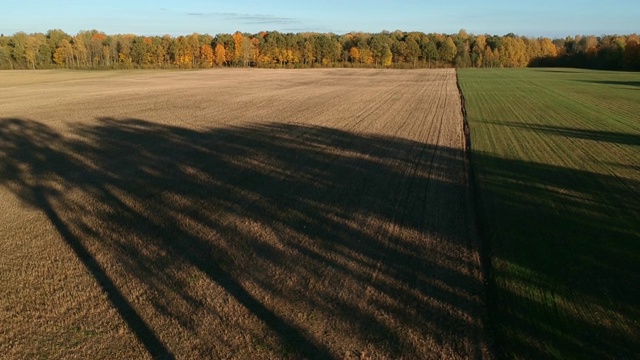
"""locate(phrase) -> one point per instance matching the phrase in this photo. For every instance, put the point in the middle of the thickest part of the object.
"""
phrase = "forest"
(96, 50)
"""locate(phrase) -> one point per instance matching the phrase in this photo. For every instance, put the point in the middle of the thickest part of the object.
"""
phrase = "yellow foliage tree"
(513, 52)
(62, 55)
(354, 54)
(366, 56)
(448, 50)
(255, 42)
(548, 48)
(237, 48)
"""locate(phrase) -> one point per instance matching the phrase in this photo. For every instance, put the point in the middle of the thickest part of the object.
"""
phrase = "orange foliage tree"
(220, 55)
(206, 55)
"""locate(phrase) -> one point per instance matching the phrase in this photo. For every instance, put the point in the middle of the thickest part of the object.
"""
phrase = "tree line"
(97, 50)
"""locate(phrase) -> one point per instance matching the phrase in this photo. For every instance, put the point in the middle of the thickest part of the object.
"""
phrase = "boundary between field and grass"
(478, 218)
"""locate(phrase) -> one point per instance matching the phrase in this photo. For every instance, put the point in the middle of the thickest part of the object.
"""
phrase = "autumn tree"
(478, 50)
(354, 54)
(463, 49)
(631, 57)
(140, 50)
(399, 51)
(96, 51)
(325, 49)
(220, 54)
(193, 46)
(513, 52)
(5, 58)
(238, 39)
(255, 49)
(88, 47)
(366, 56)
(448, 50)
(548, 48)
(229, 46)
(91, 49)
(584, 43)
(53, 38)
(533, 50)
(18, 46)
(412, 49)
(429, 52)
(272, 50)
(32, 50)
(308, 52)
(63, 54)
(185, 51)
(206, 54)
(159, 51)
(247, 51)
(387, 56)
(80, 52)
(381, 52)
(123, 48)
(490, 58)
(344, 45)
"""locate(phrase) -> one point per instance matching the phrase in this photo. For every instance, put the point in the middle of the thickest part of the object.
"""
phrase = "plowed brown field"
(236, 214)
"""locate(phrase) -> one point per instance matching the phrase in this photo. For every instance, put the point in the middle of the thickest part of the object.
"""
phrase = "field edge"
(478, 218)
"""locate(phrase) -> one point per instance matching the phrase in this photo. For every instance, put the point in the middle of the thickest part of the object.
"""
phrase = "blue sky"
(553, 18)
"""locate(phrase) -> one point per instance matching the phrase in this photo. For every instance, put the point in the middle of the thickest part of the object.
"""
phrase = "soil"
(241, 213)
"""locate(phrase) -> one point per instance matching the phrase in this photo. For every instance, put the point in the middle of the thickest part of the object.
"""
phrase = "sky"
(551, 18)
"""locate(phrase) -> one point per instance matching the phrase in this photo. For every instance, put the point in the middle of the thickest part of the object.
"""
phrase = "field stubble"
(237, 214)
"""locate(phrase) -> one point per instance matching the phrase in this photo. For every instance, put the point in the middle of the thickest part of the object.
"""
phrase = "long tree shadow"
(584, 134)
(300, 241)
(568, 241)
(613, 82)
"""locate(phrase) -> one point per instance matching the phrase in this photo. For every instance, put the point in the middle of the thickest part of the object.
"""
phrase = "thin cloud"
(264, 19)
(320, 29)
(249, 19)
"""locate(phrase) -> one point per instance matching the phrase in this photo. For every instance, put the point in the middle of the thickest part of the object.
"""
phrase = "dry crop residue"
(237, 214)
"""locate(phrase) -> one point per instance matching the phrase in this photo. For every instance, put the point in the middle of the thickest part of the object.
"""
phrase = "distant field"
(557, 159)
(236, 214)
(40, 77)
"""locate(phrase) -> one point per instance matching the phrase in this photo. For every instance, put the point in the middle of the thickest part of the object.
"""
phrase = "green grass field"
(556, 155)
